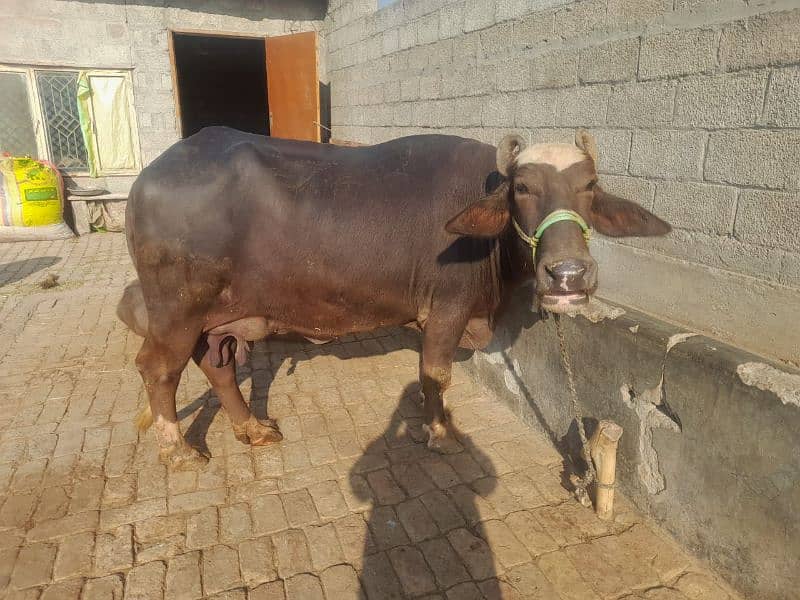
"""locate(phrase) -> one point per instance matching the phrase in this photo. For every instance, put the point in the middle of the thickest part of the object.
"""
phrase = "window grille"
(57, 93)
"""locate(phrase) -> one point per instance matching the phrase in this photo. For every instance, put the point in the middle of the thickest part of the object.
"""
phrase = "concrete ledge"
(747, 312)
(717, 463)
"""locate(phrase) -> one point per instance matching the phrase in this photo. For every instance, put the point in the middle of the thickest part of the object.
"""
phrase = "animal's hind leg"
(246, 428)
(161, 361)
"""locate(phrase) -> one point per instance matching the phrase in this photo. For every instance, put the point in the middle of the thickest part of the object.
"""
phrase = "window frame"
(37, 112)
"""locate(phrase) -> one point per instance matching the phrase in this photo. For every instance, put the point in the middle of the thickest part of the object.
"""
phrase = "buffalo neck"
(517, 263)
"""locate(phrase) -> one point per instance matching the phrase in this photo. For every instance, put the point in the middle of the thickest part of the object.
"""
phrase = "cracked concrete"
(785, 386)
(645, 405)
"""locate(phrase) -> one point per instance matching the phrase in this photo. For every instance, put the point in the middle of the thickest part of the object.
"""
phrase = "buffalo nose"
(567, 272)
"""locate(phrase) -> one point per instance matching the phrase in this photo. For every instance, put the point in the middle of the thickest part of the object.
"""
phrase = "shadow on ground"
(16, 271)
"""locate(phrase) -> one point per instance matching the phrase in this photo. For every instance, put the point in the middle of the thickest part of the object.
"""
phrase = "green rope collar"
(554, 217)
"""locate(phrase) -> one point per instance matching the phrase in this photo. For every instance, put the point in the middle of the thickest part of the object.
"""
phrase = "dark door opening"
(221, 81)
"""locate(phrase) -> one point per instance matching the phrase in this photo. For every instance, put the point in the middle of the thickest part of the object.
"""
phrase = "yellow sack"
(31, 201)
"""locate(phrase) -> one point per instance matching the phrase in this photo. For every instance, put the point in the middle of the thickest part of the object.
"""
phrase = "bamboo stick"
(603, 450)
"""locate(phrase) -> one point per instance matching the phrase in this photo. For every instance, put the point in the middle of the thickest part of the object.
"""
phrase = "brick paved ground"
(349, 504)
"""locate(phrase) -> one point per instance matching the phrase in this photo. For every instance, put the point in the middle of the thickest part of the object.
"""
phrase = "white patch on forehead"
(559, 156)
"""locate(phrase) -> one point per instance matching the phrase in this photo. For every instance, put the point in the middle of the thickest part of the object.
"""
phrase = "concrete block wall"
(134, 35)
(695, 105)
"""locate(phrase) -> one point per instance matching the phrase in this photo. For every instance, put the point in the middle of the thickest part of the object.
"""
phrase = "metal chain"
(581, 483)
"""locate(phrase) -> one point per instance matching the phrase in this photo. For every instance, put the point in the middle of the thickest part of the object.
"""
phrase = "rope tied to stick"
(581, 484)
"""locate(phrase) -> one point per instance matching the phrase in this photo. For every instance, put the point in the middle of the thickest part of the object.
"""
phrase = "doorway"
(221, 80)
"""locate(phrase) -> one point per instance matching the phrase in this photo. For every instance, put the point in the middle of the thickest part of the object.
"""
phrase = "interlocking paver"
(443, 510)
(183, 577)
(341, 583)
(379, 578)
(349, 505)
(355, 537)
(474, 552)
(52, 505)
(119, 491)
(202, 528)
(146, 582)
(103, 588)
(54, 528)
(113, 550)
(34, 565)
(387, 531)
(273, 590)
(465, 591)
(235, 523)
(304, 587)
(324, 546)
(415, 576)
(74, 556)
(220, 572)
(565, 578)
(63, 590)
(328, 499)
(299, 508)
(257, 561)
(473, 508)
(416, 521)
(505, 546)
(445, 563)
(412, 478)
(292, 552)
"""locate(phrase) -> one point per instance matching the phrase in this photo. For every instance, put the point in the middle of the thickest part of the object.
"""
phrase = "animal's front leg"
(442, 332)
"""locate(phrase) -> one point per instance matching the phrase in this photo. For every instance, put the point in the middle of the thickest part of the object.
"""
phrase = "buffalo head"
(550, 197)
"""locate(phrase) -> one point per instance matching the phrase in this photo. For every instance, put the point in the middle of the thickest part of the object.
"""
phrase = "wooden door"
(293, 87)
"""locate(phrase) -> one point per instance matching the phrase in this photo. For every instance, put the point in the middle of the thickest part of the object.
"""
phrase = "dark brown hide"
(315, 239)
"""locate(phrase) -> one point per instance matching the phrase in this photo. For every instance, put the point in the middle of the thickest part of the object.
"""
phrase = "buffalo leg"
(246, 427)
(161, 361)
(439, 343)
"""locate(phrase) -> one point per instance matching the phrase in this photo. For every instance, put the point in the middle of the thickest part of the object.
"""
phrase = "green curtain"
(85, 116)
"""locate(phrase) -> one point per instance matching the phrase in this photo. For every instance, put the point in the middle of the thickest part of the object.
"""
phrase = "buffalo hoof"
(258, 432)
(441, 440)
(180, 456)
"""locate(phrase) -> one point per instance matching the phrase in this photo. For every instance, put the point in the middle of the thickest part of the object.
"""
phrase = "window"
(385, 3)
(81, 121)
(58, 94)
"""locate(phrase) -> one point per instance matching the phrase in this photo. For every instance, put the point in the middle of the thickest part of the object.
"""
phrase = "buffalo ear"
(616, 217)
(486, 218)
(507, 151)
(586, 142)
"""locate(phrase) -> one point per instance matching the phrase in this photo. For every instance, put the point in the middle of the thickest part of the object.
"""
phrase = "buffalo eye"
(520, 188)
